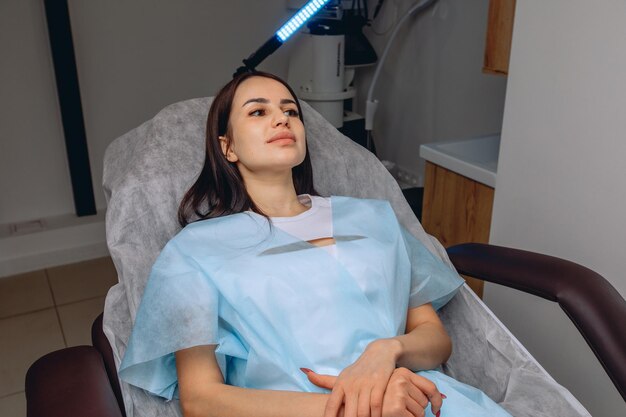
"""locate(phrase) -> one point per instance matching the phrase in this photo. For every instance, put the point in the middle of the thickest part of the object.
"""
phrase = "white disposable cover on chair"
(146, 173)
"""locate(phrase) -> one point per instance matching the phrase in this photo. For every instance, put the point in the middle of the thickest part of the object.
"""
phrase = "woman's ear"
(227, 151)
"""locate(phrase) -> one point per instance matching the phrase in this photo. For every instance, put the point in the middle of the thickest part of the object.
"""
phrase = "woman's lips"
(283, 137)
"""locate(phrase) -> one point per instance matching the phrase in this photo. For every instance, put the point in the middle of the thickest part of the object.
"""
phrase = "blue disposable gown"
(273, 303)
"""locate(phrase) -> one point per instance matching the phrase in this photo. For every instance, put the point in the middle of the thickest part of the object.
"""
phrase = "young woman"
(275, 301)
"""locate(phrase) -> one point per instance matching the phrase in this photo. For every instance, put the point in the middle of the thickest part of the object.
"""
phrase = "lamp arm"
(268, 48)
(309, 10)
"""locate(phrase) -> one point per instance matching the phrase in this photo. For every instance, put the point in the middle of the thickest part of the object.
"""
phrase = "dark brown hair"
(219, 189)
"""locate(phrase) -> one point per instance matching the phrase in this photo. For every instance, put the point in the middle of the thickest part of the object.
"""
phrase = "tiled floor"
(44, 311)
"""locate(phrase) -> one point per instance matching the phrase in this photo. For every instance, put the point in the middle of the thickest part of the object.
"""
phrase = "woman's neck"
(276, 197)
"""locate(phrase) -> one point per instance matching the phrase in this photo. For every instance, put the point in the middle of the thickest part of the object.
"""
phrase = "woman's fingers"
(334, 403)
(417, 401)
(418, 396)
(411, 393)
(359, 398)
(399, 405)
(356, 403)
(376, 401)
(351, 405)
(429, 389)
(322, 381)
(415, 408)
(364, 403)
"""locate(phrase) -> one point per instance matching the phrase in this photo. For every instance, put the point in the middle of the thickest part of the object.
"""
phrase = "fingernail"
(306, 370)
(443, 396)
(437, 414)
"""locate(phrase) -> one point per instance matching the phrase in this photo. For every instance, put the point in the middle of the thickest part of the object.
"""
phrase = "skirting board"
(61, 243)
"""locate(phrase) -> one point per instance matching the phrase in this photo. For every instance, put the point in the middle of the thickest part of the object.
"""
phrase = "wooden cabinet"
(456, 210)
(499, 34)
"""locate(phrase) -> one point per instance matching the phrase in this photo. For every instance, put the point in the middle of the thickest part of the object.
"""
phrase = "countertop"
(474, 158)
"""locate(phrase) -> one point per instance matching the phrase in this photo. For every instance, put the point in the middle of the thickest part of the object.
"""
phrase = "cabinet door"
(499, 34)
(456, 210)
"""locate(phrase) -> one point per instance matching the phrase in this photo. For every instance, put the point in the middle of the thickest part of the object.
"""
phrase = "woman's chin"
(286, 161)
(277, 168)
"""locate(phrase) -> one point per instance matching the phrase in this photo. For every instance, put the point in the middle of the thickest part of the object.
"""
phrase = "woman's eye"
(258, 112)
(292, 113)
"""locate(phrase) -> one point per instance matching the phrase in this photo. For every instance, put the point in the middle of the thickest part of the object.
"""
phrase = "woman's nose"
(281, 119)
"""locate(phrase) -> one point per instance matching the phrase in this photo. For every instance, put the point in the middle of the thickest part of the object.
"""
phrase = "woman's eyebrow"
(266, 101)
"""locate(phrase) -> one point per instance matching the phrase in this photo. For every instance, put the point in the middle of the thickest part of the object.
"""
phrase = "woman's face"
(267, 134)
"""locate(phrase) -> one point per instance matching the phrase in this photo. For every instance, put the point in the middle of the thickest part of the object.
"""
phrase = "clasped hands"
(373, 387)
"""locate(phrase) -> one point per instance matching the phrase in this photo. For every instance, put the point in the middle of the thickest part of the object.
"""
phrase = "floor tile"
(82, 280)
(24, 293)
(25, 339)
(13, 405)
(77, 318)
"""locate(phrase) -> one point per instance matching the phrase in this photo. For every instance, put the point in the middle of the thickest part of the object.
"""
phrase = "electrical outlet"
(30, 226)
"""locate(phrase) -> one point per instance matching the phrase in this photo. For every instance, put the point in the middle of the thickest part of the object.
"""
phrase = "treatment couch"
(147, 171)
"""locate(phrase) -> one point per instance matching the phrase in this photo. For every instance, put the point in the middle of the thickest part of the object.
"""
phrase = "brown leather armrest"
(591, 302)
(101, 343)
(70, 382)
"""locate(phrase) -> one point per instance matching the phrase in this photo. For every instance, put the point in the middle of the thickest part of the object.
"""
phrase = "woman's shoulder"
(221, 232)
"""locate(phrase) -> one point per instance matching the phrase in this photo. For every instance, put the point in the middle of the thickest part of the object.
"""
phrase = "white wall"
(432, 87)
(34, 177)
(133, 58)
(560, 185)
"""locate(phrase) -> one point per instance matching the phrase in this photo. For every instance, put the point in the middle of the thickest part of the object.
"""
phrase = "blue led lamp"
(292, 26)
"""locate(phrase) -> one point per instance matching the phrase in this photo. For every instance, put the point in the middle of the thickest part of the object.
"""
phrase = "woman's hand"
(408, 395)
(360, 388)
